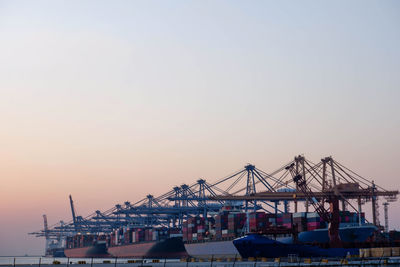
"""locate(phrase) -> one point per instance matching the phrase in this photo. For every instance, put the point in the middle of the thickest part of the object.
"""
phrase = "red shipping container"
(313, 224)
(311, 228)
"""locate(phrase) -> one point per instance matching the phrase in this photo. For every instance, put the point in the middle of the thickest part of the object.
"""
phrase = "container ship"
(309, 243)
(86, 246)
(225, 234)
(128, 242)
(55, 251)
(146, 243)
(311, 238)
(210, 237)
(55, 248)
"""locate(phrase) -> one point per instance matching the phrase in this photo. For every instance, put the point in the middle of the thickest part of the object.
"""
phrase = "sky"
(112, 100)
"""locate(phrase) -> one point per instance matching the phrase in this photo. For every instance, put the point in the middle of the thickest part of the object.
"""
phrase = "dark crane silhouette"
(332, 217)
(73, 213)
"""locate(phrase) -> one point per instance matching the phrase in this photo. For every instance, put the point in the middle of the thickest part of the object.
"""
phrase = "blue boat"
(348, 232)
(256, 245)
(310, 243)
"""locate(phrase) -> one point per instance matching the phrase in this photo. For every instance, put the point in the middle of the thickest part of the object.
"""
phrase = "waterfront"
(107, 262)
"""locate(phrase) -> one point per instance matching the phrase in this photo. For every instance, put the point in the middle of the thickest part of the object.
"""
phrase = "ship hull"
(57, 252)
(348, 234)
(171, 248)
(95, 251)
(254, 245)
(215, 249)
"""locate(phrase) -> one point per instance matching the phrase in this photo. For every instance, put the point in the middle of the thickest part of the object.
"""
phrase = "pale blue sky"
(107, 95)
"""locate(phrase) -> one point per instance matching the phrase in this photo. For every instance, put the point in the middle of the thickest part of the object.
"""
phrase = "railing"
(292, 260)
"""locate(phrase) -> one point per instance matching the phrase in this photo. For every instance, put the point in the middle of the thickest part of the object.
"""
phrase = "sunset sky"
(112, 100)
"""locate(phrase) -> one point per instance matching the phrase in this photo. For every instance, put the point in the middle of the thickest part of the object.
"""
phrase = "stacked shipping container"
(221, 225)
(126, 235)
(79, 240)
(236, 222)
(284, 219)
(195, 229)
(227, 224)
(351, 217)
(314, 221)
(258, 221)
(300, 221)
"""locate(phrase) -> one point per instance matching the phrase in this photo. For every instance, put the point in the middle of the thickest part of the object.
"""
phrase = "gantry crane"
(261, 190)
(332, 217)
(46, 233)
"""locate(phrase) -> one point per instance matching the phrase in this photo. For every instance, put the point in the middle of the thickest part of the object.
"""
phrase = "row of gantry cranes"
(250, 189)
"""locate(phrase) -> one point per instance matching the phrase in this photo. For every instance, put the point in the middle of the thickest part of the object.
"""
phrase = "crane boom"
(72, 210)
(318, 206)
(331, 217)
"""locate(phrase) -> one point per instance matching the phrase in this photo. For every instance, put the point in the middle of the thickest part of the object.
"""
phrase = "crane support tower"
(46, 233)
(386, 212)
(331, 217)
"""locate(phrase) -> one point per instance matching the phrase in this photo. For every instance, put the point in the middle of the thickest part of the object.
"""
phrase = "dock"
(261, 262)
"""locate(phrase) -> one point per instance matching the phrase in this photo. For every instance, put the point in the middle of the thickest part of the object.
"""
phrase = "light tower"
(385, 209)
(46, 234)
